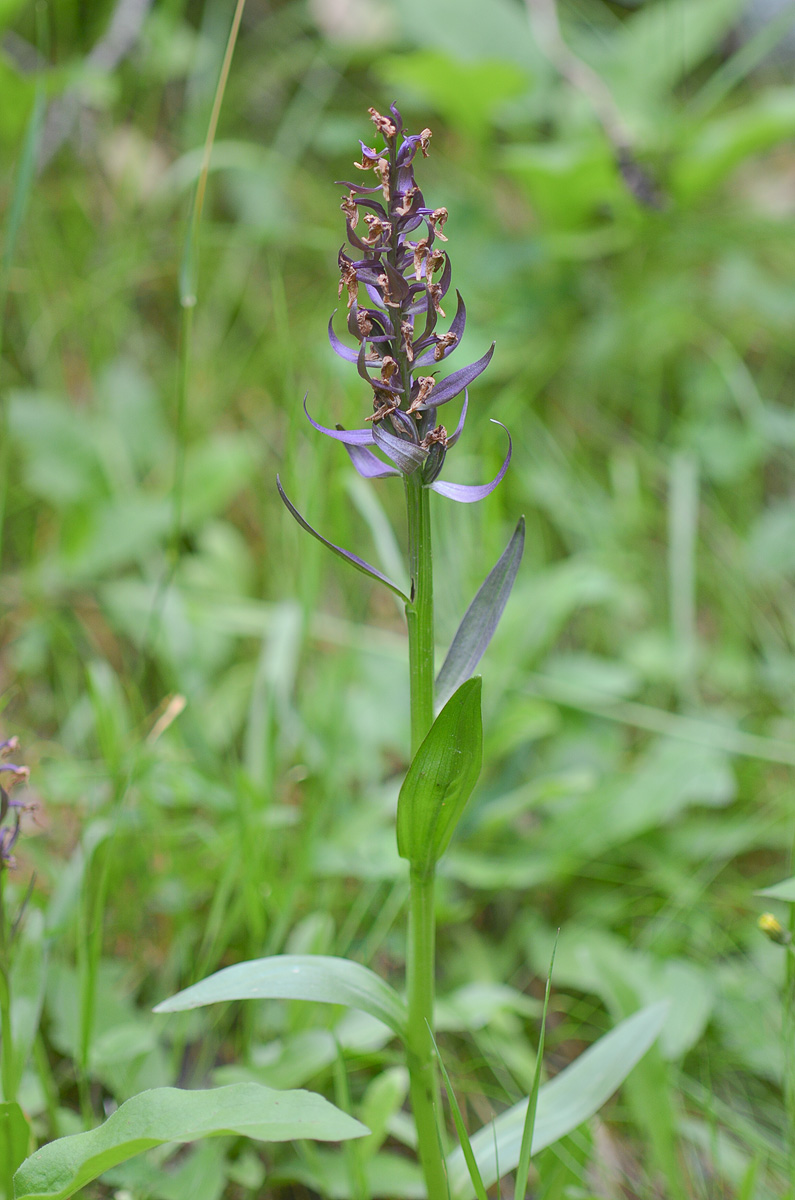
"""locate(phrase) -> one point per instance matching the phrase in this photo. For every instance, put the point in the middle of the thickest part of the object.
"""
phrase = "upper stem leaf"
(441, 779)
(353, 559)
(480, 619)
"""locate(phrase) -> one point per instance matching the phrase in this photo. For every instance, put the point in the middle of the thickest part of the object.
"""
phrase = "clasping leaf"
(441, 778)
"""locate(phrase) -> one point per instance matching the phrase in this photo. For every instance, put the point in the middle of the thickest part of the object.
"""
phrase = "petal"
(457, 326)
(369, 465)
(405, 455)
(353, 559)
(450, 387)
(339, 347)
(409, 425)
(351, 437)
(459, 429)
(398, 287)
(357, 187)
(469, 493)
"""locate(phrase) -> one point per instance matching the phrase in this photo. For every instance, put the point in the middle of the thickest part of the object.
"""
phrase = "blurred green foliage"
(638, 696)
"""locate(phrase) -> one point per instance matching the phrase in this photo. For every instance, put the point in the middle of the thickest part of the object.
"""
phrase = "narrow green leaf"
(317, 977)
(480, 619)
(441, 778)
(14, 1139)
(526, 1148)
(780, 891)
(460, 1128)
(346, 555)
(564, 1103)
(61, 1168)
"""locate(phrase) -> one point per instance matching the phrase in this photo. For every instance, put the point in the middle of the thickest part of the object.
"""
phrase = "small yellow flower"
(774, 929)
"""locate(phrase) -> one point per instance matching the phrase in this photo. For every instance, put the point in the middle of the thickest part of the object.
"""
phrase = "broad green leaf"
(61, 1168)
(726, 141)
(564, 1103)
(315, 977)
(780, 891)
(471, 31)
(480, 620)
(383, 1097)
(440, 779)
(14, 1138)
(658, 45)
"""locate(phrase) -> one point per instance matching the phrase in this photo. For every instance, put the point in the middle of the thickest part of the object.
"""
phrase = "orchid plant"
(396, 280)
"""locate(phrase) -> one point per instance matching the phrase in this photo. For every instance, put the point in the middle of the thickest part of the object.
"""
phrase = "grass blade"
(526, 1150)
(460, 1127)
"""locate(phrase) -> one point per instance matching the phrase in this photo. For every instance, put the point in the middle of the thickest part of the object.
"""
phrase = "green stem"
(420, 968)
(421, 951)
(6, 1044)
(419, 613)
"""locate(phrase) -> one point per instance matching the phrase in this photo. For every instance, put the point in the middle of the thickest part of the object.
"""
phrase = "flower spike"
(397, 260)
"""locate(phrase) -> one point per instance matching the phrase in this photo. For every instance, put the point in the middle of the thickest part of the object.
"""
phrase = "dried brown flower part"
(425, 138)
(384, 403)
(443, 342)
(363, 323)
(435, 293)
(381, 169)
(420, 254)
(369, 159)
(388, 368)
(350, 209)
(389, 299)
(408, 200)
(376, 228)
(385, 127)
(406, 334)
(438, 219)
(439, 434)
(434, 261)
(349, 280)
(426, 385)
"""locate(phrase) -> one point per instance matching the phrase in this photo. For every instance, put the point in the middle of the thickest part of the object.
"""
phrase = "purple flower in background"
(396, 276)
(9, 807)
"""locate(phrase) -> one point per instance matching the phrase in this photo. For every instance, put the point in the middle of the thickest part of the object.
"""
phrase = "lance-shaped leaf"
(568, 1100)
(162, 1115)
(14, 1135)
(440, 779)
(480, 619)
(454, 384)
(353, 559)
(405, 455)
(469, 493)
(317, 977)
(369, 465)
(351, 437)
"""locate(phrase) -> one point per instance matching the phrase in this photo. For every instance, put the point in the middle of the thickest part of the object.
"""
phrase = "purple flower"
(9, 807)
(395, 278)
